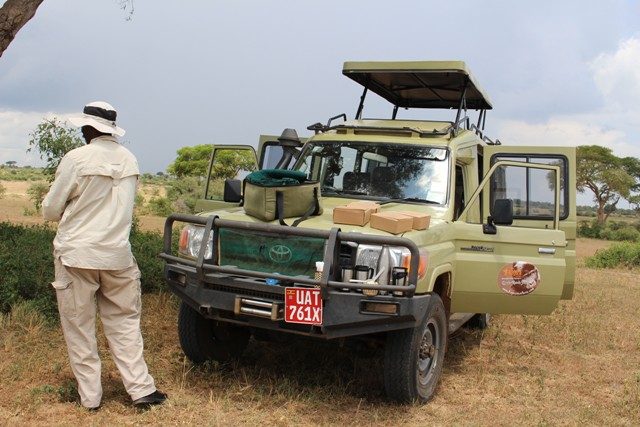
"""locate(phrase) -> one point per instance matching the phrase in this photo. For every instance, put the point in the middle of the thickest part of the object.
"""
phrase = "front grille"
(246, 292)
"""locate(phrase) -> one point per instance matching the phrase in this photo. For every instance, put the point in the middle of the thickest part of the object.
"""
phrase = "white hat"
(98, 115)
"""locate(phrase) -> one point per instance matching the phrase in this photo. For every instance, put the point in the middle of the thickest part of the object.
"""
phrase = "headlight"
(191, 241)
(369, 255)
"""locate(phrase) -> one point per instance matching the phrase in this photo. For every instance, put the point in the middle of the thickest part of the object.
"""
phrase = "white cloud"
(560, 131)
(617, 75)
(15, 127)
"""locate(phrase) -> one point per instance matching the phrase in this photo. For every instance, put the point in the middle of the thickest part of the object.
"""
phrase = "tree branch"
(13, 15)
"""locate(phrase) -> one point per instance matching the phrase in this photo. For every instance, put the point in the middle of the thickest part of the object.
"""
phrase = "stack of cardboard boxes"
(396, 222)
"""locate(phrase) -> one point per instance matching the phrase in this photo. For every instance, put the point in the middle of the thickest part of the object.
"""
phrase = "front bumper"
(230, 294)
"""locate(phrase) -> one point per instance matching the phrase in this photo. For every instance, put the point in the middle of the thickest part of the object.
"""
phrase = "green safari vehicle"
(501, 237)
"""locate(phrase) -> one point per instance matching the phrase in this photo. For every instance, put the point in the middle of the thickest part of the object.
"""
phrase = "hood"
(325, 221)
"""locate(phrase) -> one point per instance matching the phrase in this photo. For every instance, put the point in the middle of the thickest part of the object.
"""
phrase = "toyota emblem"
(280, 254)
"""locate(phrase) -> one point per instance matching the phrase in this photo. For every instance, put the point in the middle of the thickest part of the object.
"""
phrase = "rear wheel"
(414, 357)
(204, 339)
(479, 321)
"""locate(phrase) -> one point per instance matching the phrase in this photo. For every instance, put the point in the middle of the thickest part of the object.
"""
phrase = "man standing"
(92, 197)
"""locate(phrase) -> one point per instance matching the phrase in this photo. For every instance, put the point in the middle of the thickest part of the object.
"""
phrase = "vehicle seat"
(383, 182)
(356, 181)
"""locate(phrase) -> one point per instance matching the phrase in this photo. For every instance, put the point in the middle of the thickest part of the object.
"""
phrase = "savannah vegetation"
(522, 370)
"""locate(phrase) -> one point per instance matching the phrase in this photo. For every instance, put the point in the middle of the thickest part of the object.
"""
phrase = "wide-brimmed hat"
(99, 115)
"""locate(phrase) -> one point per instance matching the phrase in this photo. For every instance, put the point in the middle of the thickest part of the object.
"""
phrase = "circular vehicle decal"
(519, 278)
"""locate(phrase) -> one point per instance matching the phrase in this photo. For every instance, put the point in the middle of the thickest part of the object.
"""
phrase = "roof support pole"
(362, 97)
(395, 112)
(361, 106)
(462, 102)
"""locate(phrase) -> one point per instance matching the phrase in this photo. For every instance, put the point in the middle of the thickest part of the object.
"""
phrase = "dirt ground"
(580, 365)
(17, 208)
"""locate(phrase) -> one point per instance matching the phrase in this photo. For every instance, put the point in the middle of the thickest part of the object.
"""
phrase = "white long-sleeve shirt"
(93, 197)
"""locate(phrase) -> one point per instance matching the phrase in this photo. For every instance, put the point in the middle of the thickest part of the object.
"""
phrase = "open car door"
(526, 215)
(225, 159)
(505, 266)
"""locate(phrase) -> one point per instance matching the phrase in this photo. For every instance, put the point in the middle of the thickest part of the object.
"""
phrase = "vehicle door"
(517, 267)
(227, 161)
(565, 158)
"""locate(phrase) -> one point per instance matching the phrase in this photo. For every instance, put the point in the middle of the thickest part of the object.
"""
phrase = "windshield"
(377, 171)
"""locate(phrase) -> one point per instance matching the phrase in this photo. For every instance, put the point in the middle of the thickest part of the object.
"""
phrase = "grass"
(580, 365)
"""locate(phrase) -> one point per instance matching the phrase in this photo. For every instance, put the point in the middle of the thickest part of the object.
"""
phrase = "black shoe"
(155, 398)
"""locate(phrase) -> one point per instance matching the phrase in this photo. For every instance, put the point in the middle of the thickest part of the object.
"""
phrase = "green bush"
(629, 234)
(26, 257)
(624, 254)
(27, 267)
(589, 229)
(160, 206)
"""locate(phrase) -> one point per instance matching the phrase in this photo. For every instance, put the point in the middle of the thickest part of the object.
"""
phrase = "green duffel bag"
(277, 194)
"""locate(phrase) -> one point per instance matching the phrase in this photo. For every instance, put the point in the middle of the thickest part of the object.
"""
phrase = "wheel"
(414, 357)
(204, 339)
(479, 321)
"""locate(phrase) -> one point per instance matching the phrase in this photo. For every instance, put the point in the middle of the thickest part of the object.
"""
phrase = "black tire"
(414, 357)
(479, 321)
(204, 339)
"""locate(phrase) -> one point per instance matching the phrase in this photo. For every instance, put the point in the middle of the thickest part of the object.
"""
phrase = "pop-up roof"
(424, 84)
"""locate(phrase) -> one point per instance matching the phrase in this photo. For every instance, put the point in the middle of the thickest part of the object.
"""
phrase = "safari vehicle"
(501, 237)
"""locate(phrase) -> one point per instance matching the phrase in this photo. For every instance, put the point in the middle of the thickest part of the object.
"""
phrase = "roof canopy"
(420, 84)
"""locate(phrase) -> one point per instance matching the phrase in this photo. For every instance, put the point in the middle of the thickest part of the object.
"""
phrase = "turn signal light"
(422, 264)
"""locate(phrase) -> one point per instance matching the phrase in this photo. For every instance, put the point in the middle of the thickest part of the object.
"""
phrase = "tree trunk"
(13, 15)
(600, 211)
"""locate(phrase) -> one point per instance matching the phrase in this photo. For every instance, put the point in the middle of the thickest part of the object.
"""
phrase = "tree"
(191, 161)
(13, 15)
(228, 163)
(53, 139)
(11, 163)
(606, 175)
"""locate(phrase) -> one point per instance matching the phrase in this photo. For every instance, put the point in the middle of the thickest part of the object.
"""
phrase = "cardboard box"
(355, 213)
(420, 220)
(366, 203)
(393, 222)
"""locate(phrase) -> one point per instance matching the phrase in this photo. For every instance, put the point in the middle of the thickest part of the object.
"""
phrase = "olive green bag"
(277, 194)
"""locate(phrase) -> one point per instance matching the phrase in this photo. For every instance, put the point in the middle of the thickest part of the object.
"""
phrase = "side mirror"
(232, 190)
(502, 214)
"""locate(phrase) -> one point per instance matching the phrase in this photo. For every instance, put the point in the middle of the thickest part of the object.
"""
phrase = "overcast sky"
(186, 73)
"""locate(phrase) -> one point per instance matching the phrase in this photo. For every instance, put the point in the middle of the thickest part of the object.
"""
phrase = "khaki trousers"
(117, 293)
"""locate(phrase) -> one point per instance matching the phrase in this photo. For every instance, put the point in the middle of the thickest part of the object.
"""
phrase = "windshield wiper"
(354, 192)
(408, 199)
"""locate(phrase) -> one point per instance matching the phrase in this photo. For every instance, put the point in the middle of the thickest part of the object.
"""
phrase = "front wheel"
(414, 357)
(205, 339)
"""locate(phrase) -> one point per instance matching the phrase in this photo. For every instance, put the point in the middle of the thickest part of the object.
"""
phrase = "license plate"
(303, 305)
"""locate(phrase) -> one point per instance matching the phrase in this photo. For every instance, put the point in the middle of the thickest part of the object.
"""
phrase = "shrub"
(37, 191)
(160, 206)
(624, 254)
(589, 229)
(27, 267)
(26, 257)
(3, 190)
(629, 234)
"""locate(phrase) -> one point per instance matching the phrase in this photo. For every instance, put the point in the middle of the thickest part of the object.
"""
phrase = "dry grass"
(16, 202)
(580, 365)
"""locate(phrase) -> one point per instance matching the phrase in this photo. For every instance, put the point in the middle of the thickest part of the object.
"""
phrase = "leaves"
(52, 139)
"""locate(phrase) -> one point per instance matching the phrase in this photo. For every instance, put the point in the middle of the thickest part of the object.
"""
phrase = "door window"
(228, 163)
(532, 190)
